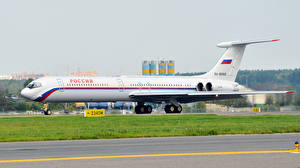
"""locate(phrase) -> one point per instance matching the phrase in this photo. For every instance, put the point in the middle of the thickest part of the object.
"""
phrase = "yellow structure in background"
(162, 68)
(171, 68)
(94, 113)
(256, 109)
(153, 65)
(146, 68)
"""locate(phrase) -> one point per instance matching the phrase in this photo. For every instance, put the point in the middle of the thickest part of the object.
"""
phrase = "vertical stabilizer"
(229, 64)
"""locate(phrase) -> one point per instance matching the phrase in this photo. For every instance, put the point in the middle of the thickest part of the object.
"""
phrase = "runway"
(211, 151)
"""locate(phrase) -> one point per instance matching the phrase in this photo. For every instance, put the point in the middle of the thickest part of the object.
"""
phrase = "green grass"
(78, 127)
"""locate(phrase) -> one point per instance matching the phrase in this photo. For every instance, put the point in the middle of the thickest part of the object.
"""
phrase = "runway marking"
(147, 155)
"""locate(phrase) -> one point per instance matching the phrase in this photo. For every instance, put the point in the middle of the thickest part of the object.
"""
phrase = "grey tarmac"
(164, 145)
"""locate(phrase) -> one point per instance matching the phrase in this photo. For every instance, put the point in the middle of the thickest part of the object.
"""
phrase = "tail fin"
(228, 65)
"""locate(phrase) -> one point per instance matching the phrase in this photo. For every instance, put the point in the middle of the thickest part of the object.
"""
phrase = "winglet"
(290, 91)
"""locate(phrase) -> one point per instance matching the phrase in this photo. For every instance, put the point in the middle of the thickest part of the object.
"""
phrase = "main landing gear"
(147, 109)
(171, 108)
(46, 109)
(142, 109)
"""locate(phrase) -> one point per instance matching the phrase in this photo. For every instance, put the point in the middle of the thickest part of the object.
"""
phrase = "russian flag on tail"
(226, 61)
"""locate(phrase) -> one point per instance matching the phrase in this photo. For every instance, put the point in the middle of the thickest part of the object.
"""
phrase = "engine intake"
(200, 87)
(208, 86)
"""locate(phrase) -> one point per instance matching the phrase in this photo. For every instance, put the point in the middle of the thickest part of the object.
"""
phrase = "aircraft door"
(121, 84)
(60, 84)
(148, 86)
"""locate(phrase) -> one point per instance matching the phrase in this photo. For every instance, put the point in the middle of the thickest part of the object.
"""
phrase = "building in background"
(162, 68)
(146, 68)
(25, 76)
(153, 67)
(84, 74)
(5, 77)
(171, 68)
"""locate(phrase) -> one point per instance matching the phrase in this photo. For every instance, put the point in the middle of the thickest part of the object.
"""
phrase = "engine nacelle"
(223, 86)
(200, 87)
(209, 86)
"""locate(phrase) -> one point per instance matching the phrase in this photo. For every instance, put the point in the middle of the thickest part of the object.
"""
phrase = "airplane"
(218, 83)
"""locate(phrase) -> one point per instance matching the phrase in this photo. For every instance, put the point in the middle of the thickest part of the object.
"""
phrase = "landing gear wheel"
(46, 109)
(167, 108)
(179, 109)
(47, 112)
(173, 109)
(170, 108)
(142, 109)
(148, 109)
(138, 110)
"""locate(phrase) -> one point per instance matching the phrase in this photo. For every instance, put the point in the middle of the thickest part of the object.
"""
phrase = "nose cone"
(25, 93)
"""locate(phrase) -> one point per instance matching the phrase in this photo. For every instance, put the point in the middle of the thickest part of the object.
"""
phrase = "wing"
(188, 97)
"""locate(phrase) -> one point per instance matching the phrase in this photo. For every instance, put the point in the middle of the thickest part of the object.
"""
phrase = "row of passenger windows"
(137, 85)
(149, 84)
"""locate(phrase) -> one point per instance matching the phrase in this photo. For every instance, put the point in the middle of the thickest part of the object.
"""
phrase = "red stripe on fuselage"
(47, 95)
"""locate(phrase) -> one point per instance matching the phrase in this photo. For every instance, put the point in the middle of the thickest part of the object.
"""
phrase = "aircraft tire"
(179, 109)
(173, 108)
(137, 110)
(167, 108)
(47, 112)
(148, 109)
(170, 108)
(141, 109)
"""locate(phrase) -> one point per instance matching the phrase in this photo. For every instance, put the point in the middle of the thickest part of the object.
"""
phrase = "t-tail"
(229, 64)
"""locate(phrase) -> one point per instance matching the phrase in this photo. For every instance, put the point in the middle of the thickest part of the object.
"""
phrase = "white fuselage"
(111, 89)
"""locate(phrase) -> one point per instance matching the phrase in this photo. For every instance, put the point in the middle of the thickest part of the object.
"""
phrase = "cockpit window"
(34, 85)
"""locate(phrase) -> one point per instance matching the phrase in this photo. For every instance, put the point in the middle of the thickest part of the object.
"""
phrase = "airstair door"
(121, 84)
(60, 84)
(148, 86)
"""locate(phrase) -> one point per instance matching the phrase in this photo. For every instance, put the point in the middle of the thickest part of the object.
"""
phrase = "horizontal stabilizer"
(235, 43)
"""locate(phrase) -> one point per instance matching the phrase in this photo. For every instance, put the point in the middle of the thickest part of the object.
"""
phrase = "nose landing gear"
(46, 109)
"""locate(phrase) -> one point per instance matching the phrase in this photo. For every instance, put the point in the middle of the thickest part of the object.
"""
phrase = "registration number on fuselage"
(220, 74)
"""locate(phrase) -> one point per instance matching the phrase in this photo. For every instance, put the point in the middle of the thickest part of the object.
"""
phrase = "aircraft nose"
(25, 93)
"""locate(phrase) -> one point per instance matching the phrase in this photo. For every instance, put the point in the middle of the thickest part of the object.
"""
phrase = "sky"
(114, 36)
